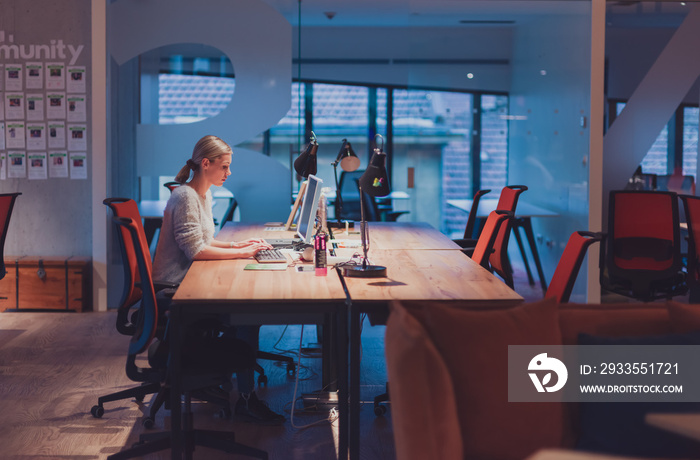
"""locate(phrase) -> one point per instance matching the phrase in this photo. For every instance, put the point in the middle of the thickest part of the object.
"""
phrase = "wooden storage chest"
(46, 283)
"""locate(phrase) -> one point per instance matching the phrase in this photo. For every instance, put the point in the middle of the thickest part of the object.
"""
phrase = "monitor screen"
(307, 217)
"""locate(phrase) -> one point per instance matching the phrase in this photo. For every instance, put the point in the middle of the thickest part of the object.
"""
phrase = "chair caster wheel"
(97, 411)
(262, 380)
(148, 423)
(139, 398)
(379, 410)
(291, 369)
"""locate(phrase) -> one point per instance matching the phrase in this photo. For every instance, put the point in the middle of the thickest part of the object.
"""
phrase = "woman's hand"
(252, 241)
(242, 244)
(252, 249)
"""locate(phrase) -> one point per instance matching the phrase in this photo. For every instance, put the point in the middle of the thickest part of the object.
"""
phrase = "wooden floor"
(53, 367)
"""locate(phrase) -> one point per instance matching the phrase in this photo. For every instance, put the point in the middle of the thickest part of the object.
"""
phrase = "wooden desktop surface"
(422, 264)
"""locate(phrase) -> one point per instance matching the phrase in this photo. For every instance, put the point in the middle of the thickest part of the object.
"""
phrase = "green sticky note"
(265, 267)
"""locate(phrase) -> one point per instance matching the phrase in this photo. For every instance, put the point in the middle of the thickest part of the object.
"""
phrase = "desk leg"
(329, 353)
(518, 239)
(341, 317)
(526, 223)
(354, 386)
(175, 373)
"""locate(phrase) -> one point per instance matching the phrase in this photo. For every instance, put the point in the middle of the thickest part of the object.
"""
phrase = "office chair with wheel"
(691, 205)
(7, 202)
(210, 359)
(498, 259)
(129, 310)
(485, 246)
(131, 297)
(565, 274)
(470, 236)
(643, 252)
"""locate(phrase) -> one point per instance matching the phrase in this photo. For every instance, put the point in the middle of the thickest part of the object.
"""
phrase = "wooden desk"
(524, 212)
(436, 273)
(422, 264)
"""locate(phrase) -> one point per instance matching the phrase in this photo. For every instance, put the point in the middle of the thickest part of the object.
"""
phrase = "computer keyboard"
(268, 256)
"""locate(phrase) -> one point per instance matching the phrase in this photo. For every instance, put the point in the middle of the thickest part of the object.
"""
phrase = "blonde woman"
(187, 234)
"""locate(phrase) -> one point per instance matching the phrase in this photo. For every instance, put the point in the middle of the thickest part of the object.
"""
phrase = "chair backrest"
(643, 244)
(146, 326)
(471, 220)
(347, 184)
(171, 185)
(7, 203)
(484, 245)
(569, 265)
(371, 208)
(131, 293)
(691, 204)
(675, 183)
(500, 264)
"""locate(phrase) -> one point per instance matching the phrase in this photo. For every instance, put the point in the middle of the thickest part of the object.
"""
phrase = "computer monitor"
(307, 218)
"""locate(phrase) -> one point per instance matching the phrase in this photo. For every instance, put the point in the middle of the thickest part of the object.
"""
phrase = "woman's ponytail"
(184, 174)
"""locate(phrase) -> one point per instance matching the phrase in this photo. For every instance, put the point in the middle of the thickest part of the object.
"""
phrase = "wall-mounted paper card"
(37, 165)
(13, 77)
(57, 135)
(76, 79)
(34, 72)
(14, 106)
(55, 75)
(58, 164)
(17, 164)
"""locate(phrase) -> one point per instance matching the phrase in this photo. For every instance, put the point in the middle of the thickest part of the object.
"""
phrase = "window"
(432, 133)
(656, 159)
(690, 141)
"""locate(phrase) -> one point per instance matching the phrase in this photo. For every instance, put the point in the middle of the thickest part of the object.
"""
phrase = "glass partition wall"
(467, 95)
(660, 90)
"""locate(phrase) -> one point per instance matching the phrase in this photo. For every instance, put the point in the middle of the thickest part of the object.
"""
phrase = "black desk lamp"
(349, 163)
(305, 163)
(374, 182)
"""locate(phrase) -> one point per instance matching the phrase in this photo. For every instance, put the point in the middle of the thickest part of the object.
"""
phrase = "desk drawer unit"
(46, 283)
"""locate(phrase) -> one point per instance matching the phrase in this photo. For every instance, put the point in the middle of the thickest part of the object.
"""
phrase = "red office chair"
(481, 253)
(643, 255)
(7, 202)
(569, 265)
(129, 310)
(209, 358)
(500, 264)
(171, 185)
(469, 239)
(691, 205)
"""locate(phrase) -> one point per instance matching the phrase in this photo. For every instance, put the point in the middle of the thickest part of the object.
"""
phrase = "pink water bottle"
(320, 260)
